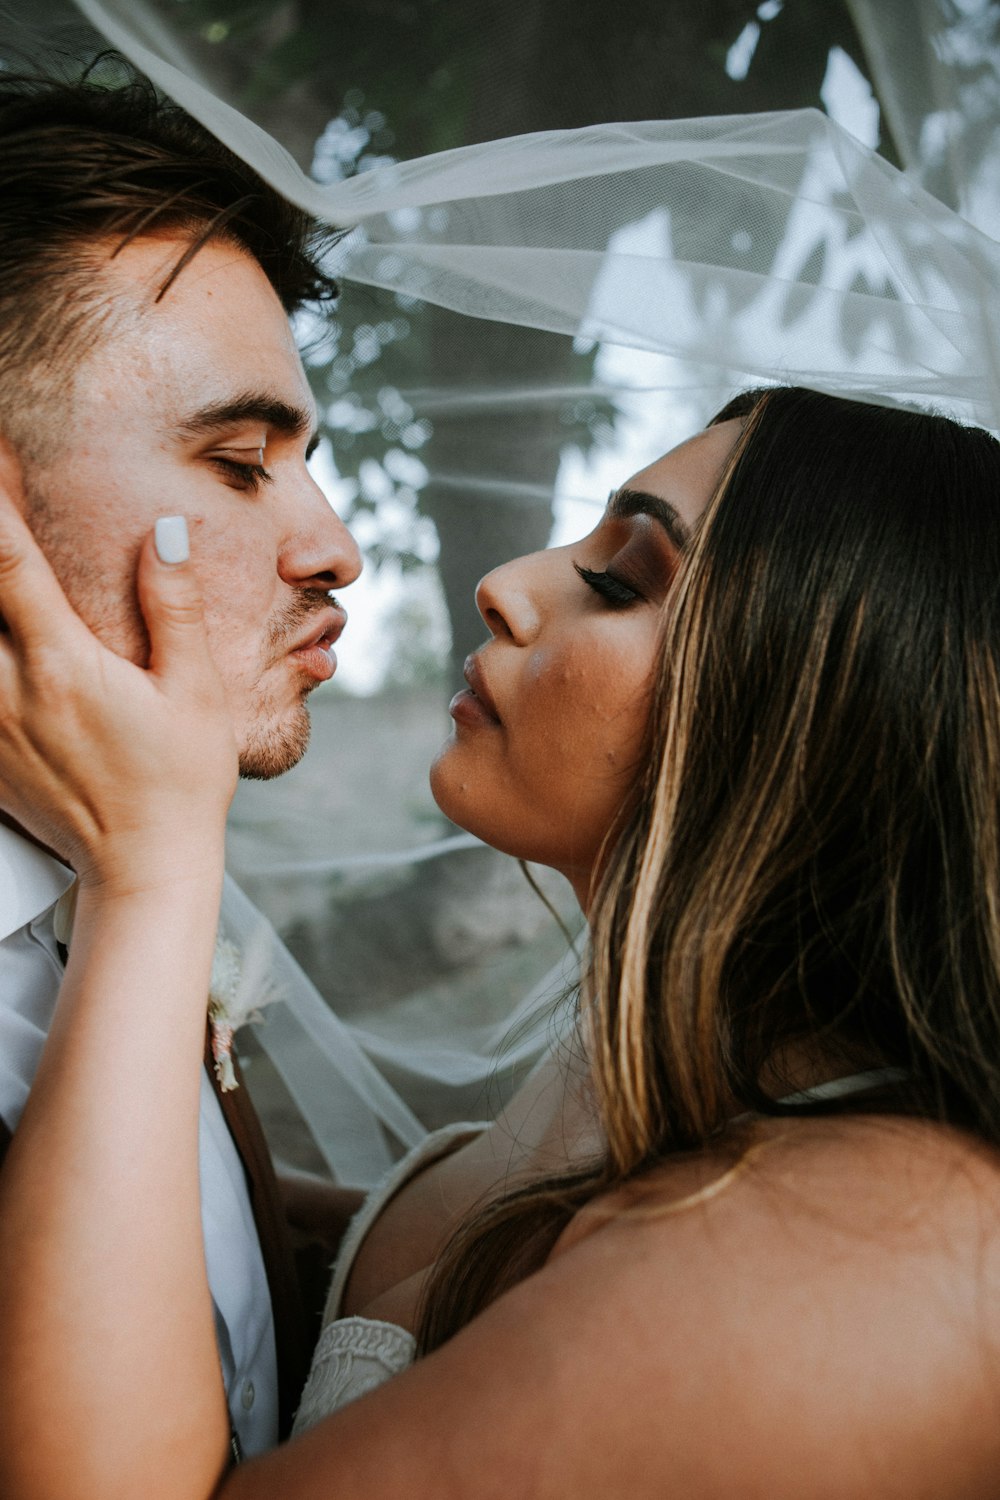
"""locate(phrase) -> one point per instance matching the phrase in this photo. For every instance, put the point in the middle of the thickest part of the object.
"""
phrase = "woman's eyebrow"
(625, 502)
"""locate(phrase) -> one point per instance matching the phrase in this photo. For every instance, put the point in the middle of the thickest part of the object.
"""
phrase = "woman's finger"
(171, 601)
(32, 604)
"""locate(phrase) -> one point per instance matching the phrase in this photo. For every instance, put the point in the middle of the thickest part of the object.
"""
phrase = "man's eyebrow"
(625, 502)
(250, 406)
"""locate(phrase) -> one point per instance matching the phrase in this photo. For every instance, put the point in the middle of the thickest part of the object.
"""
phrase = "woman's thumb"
(171, 599)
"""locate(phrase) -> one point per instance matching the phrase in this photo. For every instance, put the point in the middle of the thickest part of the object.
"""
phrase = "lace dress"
(354, 1355)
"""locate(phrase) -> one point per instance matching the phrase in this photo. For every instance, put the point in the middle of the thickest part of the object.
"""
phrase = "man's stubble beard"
(271, 751)
(270, 747)
(106, 605)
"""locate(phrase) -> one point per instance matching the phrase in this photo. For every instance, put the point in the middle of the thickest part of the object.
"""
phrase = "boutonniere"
(223, 990)
(239, 986)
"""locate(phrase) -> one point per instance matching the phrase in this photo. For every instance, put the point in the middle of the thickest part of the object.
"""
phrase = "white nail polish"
(172, 539)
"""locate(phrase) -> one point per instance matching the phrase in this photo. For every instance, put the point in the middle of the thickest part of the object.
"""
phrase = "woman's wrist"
(140, 954)
(160, 907)
(155, 862)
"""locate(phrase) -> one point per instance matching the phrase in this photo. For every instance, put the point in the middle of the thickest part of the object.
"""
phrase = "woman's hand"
(127, 773)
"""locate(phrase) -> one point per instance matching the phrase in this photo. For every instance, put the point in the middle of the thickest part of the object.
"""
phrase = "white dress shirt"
(31, 882)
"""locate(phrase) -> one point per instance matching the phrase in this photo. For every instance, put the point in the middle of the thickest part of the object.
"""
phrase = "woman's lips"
(474, 704)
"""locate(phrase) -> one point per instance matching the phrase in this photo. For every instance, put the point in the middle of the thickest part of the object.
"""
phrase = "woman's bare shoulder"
(816, 1314)
(834, 1286)
(835, 1205)
(882, 1180)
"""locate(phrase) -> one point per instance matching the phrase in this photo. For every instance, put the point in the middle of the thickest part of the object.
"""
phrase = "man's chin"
(271, 751)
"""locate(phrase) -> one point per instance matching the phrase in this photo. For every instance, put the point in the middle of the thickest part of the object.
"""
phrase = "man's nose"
(320, 552)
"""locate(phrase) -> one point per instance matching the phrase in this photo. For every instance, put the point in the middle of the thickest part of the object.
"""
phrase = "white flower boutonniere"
(223, 990)
(240, 984)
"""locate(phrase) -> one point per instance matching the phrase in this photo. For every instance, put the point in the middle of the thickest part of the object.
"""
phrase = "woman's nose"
(507, 599)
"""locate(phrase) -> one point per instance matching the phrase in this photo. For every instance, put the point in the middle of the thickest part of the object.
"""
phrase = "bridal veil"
(655, 267)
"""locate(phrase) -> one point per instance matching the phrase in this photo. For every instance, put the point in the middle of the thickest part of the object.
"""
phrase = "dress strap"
(851, 1083)
(432, 1148)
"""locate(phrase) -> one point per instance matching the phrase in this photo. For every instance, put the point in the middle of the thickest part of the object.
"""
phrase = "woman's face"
(549, 734)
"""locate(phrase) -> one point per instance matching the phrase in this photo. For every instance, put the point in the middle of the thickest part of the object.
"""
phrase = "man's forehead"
(220, 296)
(163, 267)
(217, 350)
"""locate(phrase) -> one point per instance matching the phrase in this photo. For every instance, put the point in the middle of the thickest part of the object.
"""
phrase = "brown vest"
(291, 1331)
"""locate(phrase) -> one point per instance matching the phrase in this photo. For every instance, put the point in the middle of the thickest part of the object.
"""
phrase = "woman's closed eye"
(610, 588)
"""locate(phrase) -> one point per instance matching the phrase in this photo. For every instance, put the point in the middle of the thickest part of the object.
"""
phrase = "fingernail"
(172, 539)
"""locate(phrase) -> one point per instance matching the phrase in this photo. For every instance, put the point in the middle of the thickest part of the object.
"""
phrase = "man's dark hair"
(84, 165)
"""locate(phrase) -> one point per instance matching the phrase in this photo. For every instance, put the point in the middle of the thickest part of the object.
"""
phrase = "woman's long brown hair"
(812, 853)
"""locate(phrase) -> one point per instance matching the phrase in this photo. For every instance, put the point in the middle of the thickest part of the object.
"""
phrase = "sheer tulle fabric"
(616, 232)
(701, 255)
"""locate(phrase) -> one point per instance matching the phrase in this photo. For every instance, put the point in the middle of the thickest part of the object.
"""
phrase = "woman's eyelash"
(607, 585)
(250, 476)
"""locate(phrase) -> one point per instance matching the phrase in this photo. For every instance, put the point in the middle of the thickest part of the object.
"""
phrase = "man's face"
(198, 406)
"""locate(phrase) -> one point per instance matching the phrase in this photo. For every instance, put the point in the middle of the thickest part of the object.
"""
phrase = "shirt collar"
(30, 881)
